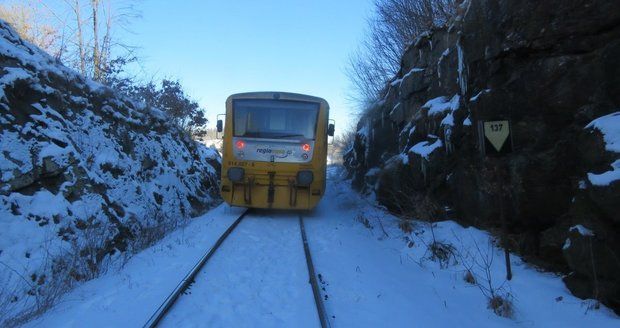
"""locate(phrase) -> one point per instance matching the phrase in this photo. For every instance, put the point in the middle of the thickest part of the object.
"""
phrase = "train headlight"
(235, 174)
(304, 178)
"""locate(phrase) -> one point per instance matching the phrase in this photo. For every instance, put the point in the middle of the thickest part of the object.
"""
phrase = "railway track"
(318, 299)
(189, 278)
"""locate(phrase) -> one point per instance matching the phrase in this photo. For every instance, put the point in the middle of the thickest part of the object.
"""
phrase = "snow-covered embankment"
(86, 177)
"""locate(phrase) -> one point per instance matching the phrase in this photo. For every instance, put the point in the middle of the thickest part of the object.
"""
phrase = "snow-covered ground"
(373, 274)
(377, 275)
(129, 297)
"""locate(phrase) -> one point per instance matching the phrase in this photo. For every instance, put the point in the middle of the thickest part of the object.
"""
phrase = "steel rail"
(163, 309)
(318, 300)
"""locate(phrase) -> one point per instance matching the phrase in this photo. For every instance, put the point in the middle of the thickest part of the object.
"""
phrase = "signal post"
(495, 141)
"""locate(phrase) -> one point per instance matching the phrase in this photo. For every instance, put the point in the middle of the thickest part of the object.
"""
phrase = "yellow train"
(274, 150)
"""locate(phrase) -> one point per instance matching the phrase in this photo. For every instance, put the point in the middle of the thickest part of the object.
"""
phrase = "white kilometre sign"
(497, 133)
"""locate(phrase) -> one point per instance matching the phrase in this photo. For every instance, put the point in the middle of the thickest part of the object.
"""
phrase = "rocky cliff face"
(552, 69)
(86, 176)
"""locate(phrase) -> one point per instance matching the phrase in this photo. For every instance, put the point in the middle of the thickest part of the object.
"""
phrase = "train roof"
(276, 95)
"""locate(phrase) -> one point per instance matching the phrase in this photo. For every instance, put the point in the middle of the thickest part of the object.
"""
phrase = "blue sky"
(217, 48)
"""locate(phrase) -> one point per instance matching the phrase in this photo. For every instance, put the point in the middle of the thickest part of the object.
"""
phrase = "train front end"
(275, 150)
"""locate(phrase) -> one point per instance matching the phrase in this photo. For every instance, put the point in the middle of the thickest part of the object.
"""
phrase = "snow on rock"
(606, 178)
(582, 230)
(440, 105)
(425, 148)
(408, 129)
(85, 175)
(411, 131)
(609, 126)
(404, 158)
(567, 244)
(364, 131)
(12, 74)
(365, 134)
(395, 109)
(373, 172)
(475, 98)
(448, 120)
(413, 70)
(444, 54)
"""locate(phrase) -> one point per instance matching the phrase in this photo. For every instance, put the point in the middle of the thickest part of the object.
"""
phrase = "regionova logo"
(280, 153)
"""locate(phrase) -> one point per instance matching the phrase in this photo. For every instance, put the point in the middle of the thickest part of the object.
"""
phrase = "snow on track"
(258, 277)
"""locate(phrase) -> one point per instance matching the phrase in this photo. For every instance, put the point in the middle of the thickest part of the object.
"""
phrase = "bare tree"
(96, 50)
(104, 20)
(75, 7)
(83, 41)
(30, 23)
(106, 44)
(393, 27)
(341, 144)
(367, 75)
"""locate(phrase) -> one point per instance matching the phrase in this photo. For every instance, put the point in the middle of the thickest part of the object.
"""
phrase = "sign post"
(495, 141)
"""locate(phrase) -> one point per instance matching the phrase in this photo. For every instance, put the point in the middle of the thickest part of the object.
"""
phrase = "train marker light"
(240, 144)
(235, 174)
(305, 147)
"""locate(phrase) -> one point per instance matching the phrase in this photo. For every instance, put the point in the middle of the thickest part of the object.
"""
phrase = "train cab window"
(276, 119)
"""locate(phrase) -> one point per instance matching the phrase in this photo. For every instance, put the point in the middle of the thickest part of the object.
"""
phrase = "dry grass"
(478, 272)
(502, 305)
(469, 277)
(443, 253)
(25, 299)
(86, 259)
(156, 225)
(405, 226)
(361, 218)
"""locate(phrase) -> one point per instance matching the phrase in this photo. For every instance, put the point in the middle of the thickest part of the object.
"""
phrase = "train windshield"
(275, 119)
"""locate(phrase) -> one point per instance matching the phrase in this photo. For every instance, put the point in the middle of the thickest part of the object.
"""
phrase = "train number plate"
(242, 164)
